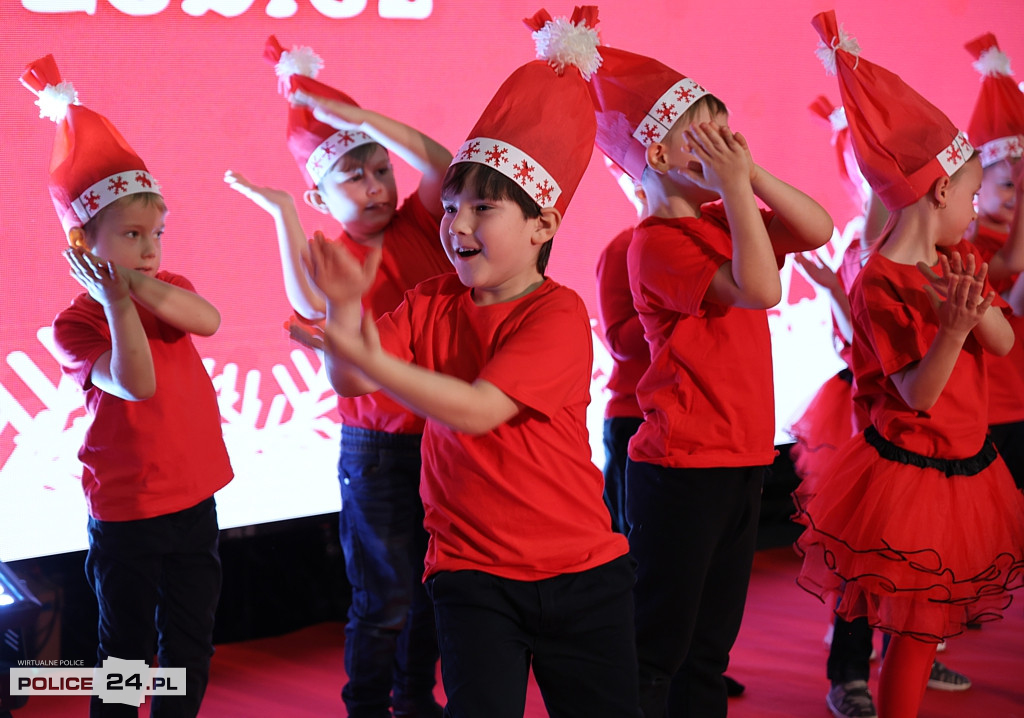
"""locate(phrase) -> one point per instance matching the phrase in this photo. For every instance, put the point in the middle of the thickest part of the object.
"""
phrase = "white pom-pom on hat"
(300, 60)
(827, 53)
(993, 62)
(837, 118)
(54, 100)
(563, 43)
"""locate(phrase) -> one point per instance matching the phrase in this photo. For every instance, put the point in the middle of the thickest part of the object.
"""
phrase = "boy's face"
(998, 196)
(680, 155)
(364, 197)
(129, 234)
(492, 245)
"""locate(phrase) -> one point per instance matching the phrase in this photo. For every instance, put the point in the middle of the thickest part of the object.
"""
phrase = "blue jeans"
(157, 582)
(390, 639)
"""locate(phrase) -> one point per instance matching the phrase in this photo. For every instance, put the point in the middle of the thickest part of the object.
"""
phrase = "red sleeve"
(675, 273)
(895, 326)
(619, 320)
(81, 336)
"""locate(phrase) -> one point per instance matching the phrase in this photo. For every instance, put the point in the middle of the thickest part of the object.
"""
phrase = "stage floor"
(779, 655)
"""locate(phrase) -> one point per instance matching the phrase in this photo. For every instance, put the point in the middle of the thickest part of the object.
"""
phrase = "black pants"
(157, 582)
(693, 534)
(1009, 440)
(576, 630)
(617, 432)
(849, 657)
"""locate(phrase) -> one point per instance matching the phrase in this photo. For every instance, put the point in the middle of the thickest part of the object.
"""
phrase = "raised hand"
(722, 157)
(105, 281)
(337, 114)
(336, 271)
(817, 270)
(267, 198)
(957, 294)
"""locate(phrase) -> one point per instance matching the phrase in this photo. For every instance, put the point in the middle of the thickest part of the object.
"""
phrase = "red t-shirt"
(1005, 373)
(412, 252)
(708, 397)
(523, 501)
(146, 458)
(620, 324)
(894, 324)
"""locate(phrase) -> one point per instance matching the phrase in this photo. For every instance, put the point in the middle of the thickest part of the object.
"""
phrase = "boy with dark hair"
(522, 565)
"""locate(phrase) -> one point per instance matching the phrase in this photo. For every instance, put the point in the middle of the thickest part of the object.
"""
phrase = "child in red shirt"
(702, 273)
(624, 336)
(153, 455)
(523, 566)
(343, 153)
(919, 527)
(997, 128)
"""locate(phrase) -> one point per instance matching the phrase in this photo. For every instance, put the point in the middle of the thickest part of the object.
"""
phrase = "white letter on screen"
(226, 8)
(406, 9)
(337, 9)
(140, 8)
(49, 6)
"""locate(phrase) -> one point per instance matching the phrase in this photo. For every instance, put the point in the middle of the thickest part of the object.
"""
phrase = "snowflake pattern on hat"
(666, 110)
(515, 164)
(328, 151)
(107, 190)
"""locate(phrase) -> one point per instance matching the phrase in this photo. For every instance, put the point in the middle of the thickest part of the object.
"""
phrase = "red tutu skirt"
(916, 551)
(823, 428)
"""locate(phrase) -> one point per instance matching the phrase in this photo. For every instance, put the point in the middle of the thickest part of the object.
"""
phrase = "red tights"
(905, 671)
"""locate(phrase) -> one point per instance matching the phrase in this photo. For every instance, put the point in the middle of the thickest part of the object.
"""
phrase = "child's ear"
(76, 238)
(657, 157)
(315, 200)
(939, 191)
(547, 224)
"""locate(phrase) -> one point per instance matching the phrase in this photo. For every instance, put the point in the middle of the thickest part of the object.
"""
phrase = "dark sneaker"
(944, 678)
(733, 688)
(851, 700)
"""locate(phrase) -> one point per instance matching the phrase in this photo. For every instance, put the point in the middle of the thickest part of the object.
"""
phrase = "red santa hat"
(849, 172)
(998, 118)
(91, 164)
(538, 129)
(316, 146)
(903, 142)
(637, 100)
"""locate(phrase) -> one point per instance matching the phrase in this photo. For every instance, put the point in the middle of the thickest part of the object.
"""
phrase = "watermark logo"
(116, 681)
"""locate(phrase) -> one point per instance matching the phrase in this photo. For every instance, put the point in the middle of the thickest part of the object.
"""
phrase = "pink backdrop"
(185, 82)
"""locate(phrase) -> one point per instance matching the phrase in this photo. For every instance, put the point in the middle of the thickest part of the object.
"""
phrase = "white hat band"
(958, 152)
(328, 151)
(664, 113)
(112, 188)
(514, 164)
(1000, 149)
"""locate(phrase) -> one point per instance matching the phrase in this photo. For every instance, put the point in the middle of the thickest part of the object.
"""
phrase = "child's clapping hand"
(958, 293)
(105, 281)
(337, 272)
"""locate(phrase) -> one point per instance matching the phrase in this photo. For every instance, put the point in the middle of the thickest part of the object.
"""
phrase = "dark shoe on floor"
(733, 688)
(851, 700)
(944, 678)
